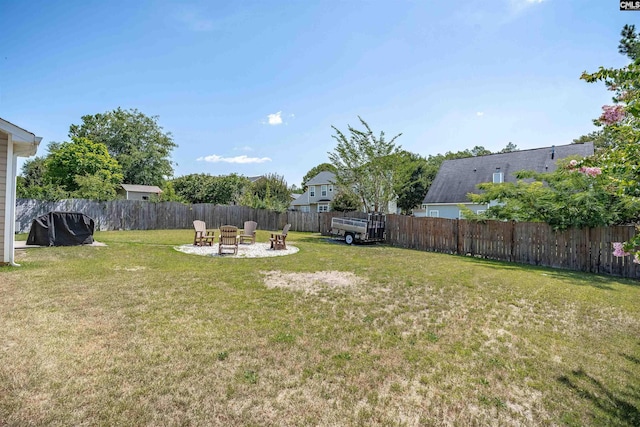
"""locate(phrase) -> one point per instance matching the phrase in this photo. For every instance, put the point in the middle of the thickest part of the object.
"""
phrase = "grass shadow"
(620, 408)
(578, 278)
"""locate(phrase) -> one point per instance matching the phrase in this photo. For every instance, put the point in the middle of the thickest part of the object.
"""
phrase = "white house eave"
(26, 149)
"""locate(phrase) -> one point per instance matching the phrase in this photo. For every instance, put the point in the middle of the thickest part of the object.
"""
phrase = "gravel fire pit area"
(256, 250)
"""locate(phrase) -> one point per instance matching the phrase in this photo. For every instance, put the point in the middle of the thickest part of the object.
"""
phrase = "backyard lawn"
(137, 333)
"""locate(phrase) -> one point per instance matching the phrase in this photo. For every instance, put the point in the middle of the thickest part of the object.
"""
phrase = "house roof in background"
(141, 188)
(255, 178)
(301, 200)
(456, 178)
(324, 177)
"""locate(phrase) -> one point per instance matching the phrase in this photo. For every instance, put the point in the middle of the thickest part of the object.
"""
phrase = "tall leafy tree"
(620, 122)
(365, 165)
(135, 140)
(412, 180)
(71, 163)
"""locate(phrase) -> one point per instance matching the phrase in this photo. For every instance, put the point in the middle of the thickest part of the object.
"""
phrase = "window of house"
(305, 209)
(312, 190)
(323, 191)
(497, 178)
(434, 213)
(323, 208)
(145, 197)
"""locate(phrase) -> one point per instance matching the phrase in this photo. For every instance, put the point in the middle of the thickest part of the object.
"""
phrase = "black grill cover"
(61, 229)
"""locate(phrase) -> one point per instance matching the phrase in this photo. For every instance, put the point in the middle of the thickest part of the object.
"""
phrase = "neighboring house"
(456, 178)
(14, 142)
(320, 192)
(138, 192)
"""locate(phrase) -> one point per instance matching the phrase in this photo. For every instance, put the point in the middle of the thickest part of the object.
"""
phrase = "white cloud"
(275, 119)
(480, 113)
(214, 158)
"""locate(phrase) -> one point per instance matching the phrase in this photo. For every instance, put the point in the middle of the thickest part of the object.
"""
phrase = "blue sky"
(253, 87)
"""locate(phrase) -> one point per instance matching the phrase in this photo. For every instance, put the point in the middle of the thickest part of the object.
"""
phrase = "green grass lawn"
(137, 333)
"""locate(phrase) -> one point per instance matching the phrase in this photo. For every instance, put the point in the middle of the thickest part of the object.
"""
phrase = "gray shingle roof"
(301, 200)
(456, 178)
(324, 177)
(142, 188)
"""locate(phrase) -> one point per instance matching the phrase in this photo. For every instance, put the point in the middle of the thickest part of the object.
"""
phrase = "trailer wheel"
(348, 238)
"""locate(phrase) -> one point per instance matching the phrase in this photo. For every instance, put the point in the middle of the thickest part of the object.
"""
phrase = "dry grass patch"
(311, 283)
(137, 333)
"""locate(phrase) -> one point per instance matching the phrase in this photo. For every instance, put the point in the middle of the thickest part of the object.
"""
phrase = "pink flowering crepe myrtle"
(618, 251)
(591, 171)
(612, 114)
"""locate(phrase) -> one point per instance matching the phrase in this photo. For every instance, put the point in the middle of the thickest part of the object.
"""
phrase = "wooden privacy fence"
(142, 215)
(588, 250)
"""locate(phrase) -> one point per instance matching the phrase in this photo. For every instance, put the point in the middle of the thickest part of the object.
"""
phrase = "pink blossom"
(573, 163)
(619, 252)
(591, 171)
(612, 114)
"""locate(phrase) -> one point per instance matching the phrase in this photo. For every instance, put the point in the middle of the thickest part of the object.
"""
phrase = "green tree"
(630, 42)
(228, 189)
(364, 165)
(479, 150)
(204, 188)
(345, 201)
(571, 196)
(194, 188)
(82, 157)
(94, 187)
(620, 124)
(509, 148)
(412, 180)
(322, 167)
(135, 140)
(168, 194)
(34, 172)
(270, 192)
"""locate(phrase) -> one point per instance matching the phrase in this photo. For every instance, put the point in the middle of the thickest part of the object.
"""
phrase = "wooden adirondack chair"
(249, 232)
(203, 237)
(228, 239)
(279, 240)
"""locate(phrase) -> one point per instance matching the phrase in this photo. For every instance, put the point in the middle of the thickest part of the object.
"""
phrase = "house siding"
(134, 195)
(449, 211)
(4, 150)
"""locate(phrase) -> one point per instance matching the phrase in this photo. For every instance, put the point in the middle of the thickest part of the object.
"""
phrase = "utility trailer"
(357, 230)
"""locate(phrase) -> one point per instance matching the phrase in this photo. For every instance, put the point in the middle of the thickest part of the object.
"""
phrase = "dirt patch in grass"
(311, 283)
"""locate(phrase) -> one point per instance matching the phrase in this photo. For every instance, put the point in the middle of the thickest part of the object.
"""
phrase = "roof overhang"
(25, 143)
